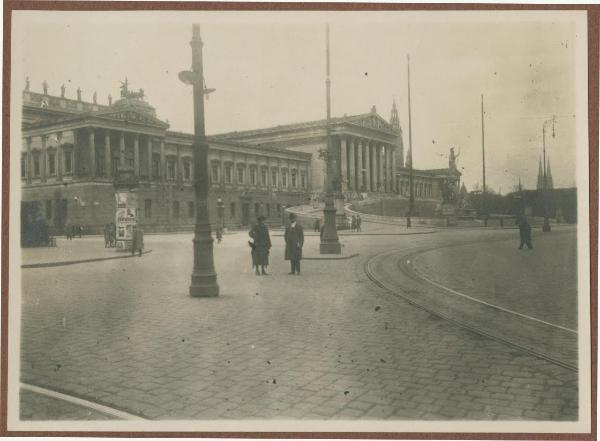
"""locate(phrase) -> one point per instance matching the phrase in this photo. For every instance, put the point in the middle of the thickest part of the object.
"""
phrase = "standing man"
(137, 242)
(525, 233)
(358, 223)
(294, 240)
(262, 245)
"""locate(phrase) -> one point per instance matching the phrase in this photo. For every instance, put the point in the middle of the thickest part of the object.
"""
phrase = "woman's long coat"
(262, 244)
(294, 240)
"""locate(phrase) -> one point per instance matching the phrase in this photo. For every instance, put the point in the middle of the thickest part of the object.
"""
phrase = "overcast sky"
(269, 69)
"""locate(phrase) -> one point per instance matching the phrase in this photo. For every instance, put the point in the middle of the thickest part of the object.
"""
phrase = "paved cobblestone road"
(328, 344)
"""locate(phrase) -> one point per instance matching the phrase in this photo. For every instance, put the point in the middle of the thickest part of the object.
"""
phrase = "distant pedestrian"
(219, 234)
(68, 232)
(354, 224)
(107, 234)
(137, 242)
(294, 241)
(262, 244)
(317, 225)
(80, 231)
(358, 223)
(525, 233)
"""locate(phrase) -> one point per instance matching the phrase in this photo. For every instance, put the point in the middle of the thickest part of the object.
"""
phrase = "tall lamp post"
(546, 227)
(204, 277)
(483, 193)
(411, 198)
(330, 243)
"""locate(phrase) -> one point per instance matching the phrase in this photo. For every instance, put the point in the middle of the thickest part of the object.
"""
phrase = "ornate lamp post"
(204, 277)
(546, 227)
(411, 198)
(330, 243)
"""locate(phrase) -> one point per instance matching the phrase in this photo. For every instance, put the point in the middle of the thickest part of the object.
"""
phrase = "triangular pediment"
(373, 121)
(132, 115)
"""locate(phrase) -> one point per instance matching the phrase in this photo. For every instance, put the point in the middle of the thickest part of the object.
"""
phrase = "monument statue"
(27, 85)
(45, 86)
(62, 91)
(124, 88)
(125, 93)
(452, 159)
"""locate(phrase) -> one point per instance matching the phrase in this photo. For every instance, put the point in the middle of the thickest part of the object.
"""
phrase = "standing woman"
(262, 245)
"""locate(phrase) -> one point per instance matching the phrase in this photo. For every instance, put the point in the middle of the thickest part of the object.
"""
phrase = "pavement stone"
(126, 333)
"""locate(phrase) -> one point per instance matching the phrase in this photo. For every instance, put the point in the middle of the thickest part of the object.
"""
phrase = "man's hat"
(292, 216)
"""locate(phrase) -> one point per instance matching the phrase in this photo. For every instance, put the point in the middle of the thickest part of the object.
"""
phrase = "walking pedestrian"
(262, 244)
(137, 242)
(68, 232)
(317, 225)
(294, 241)
(525, 233)
(107, 236)
(358, 223)
(354, 224)
(219, 234)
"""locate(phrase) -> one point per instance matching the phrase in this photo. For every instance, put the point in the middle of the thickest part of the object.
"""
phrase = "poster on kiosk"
(127, 215)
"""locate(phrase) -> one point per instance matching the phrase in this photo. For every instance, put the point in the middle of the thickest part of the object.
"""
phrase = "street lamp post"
(411, 198)
(204, 277)
(483, 194)
(330, 243)
(546, 227)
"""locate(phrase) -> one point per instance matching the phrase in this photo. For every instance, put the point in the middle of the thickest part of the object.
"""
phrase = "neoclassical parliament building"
(72, 151)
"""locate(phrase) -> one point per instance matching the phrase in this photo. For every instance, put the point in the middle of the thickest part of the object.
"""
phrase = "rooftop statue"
(452, 159)
(45, 86)
(62, 91)
(125, 93)
(27, 85)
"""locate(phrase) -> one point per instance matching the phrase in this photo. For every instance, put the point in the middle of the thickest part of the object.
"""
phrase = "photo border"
(593, 33)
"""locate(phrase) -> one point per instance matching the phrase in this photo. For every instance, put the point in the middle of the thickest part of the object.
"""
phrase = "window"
(228, 173)
(176, 209)
(69, 161)
(36, 164)
(51, 163)
(303, 180)
(232, 209)
(129, 162)
(253, 176)
(191, 211)
(274, 177)
(171, 169)
(294, 182)
(240, 175)
(147, 208)
(187, 171)
(284, 178)
(257, 209)
(156, 165)
(23, 165)
(268, 210)
(263, 177)
(48, 209)
(214, 172)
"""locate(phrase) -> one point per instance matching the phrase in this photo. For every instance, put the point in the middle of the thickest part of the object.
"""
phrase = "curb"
(332, 258)
(74, 262)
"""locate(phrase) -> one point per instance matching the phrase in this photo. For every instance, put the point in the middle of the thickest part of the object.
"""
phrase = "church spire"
(394, 120)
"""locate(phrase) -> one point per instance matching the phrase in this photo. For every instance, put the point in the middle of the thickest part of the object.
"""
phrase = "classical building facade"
(72, 151)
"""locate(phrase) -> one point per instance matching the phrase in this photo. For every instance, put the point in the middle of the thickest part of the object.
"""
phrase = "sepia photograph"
(299, 221)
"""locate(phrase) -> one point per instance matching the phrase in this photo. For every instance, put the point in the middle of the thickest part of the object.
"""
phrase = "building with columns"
(72, 151)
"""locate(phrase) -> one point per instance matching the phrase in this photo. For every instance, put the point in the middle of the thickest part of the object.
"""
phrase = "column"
(60, 157)
(163, 170)
(351, 165)
(246, 172)
(43, 159)
(367, 165)
(344, 159)
(149, 156)
(222, 170)
(136, 155)
(122, 151)
(107, 155)
(29, 161)
(381, 153)
(359, 164)
(269, 183)
(393, 160)
(92, 153)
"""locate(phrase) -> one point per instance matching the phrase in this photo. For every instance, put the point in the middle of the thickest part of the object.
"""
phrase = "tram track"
(393, 271)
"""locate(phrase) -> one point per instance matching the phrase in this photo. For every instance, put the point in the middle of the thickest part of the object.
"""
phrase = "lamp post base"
(546, 227)
(204, 286)
(330, 248)
(204, 278)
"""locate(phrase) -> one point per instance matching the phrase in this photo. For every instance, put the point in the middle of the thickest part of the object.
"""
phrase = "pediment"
(133, 116)
(373, 121)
